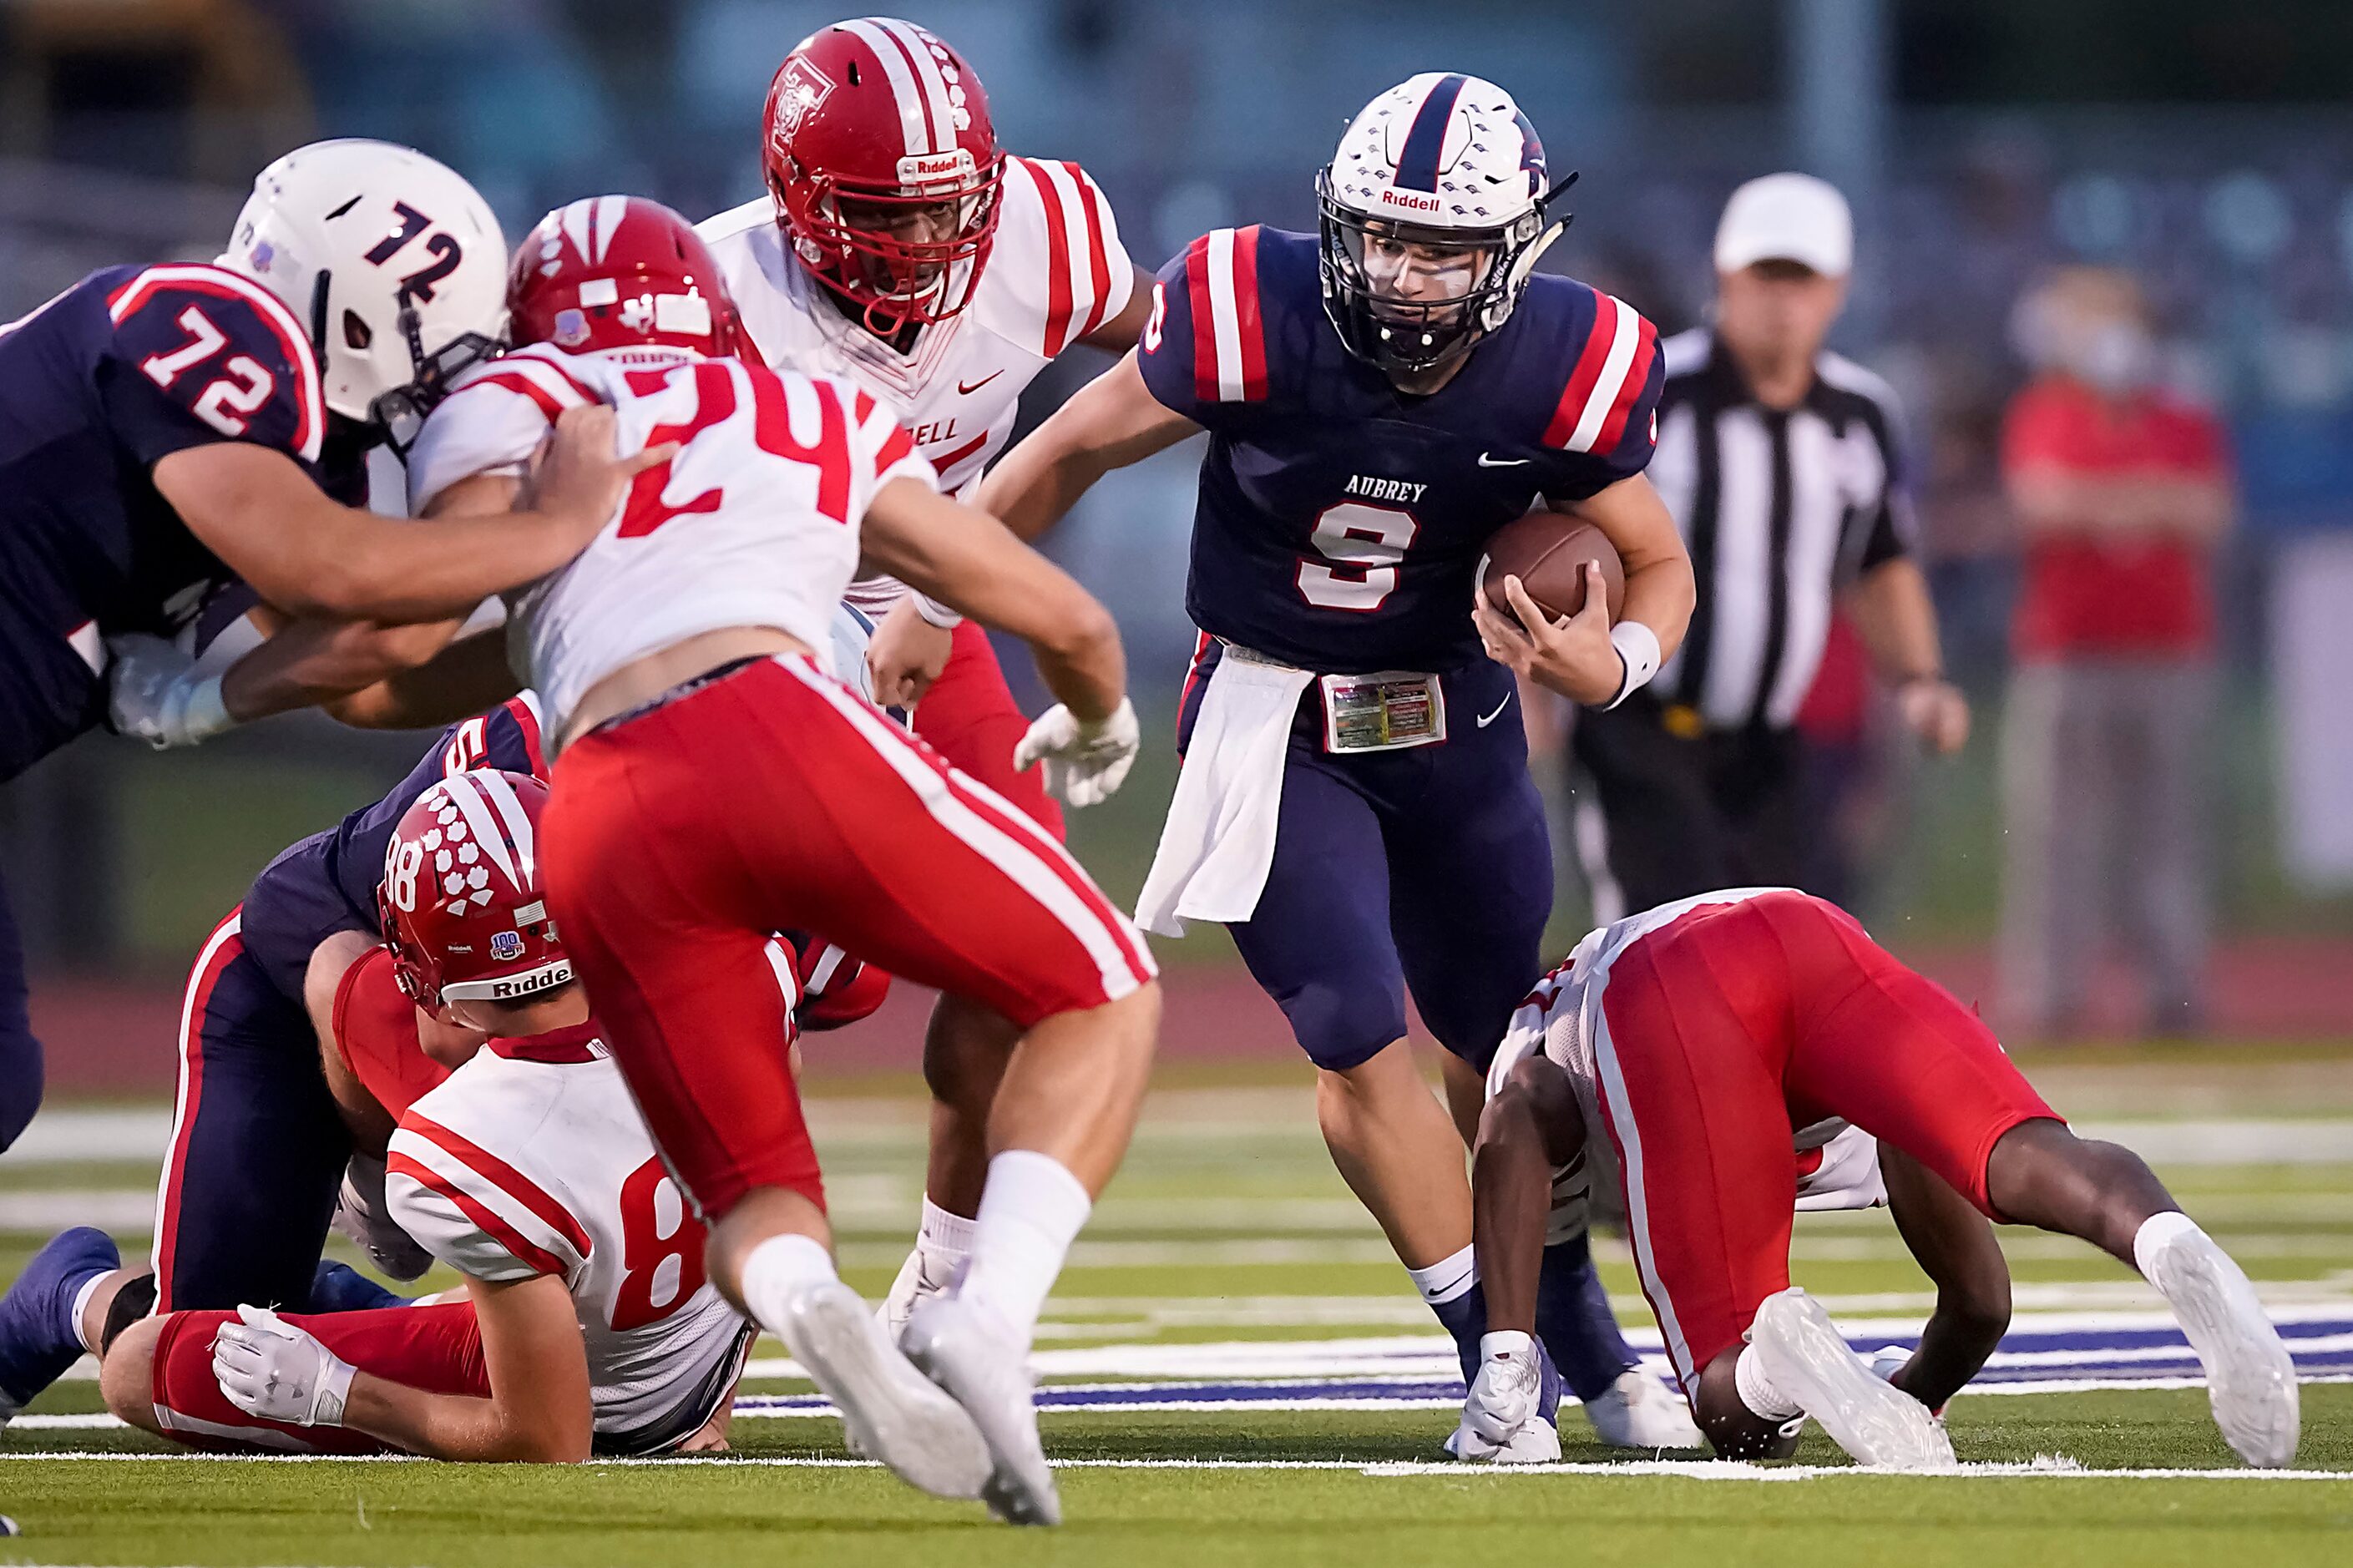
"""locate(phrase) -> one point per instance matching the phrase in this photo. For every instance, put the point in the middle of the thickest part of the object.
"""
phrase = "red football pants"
(1726, 1028)
(438, 1349)
(969, 716)
(775, 799)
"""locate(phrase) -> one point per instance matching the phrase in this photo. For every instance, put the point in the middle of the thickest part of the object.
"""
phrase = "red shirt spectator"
(2133, 584)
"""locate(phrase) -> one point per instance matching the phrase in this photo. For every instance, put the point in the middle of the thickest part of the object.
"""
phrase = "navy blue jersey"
(128, 366)
(327, 882)
(1340, 521)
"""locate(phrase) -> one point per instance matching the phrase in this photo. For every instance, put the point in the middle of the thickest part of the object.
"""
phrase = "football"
(1547, 551)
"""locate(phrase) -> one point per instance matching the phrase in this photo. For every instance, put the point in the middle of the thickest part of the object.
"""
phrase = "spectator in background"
(2120, 492)
(1782, 465)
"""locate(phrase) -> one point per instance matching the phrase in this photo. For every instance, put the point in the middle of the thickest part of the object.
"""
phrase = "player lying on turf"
(587, 1324)
(1697, 1037)
(1382, 396)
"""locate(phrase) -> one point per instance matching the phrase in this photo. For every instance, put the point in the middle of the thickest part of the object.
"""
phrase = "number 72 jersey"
(1340, 521)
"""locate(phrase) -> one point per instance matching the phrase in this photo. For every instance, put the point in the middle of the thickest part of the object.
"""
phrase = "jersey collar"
(578, 1043)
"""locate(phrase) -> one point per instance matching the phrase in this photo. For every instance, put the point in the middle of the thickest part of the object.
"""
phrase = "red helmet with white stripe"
(885, 167)
(460, 903)
(609, 272)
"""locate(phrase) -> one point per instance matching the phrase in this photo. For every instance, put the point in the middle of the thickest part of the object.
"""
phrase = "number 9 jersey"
(1340, 521)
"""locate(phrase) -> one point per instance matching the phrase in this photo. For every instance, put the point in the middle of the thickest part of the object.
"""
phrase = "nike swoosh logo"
(1489, 719)
(969, 389)
(1487, 462)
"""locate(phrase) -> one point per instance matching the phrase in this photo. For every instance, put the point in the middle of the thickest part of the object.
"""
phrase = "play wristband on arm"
(937, 614)
(1638, 649)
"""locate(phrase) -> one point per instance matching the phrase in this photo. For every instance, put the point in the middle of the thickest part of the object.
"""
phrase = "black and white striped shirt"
(1778, 509)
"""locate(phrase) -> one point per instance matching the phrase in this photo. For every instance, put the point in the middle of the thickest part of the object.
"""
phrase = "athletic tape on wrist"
(1638, 646)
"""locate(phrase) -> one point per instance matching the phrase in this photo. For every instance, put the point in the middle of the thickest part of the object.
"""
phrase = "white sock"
(944, 1241)
(82, 1306)
(2157, 1232)
(1756, 1391)
(1447, 1279)
(1030, 1212)
(778, 1270)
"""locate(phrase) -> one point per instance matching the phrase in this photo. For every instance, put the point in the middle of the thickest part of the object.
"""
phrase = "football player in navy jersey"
(166, 429)
(1381, 398)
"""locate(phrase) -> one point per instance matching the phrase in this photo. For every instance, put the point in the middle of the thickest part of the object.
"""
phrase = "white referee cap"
(1787, 218)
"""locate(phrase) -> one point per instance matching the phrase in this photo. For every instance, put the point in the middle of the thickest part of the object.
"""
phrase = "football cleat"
(339, 1287)
(1637, 1412)
(39, 1340)
(2250, 1380)
(887, 1410)
(1535, 1441)
(917, 1283)
(1875, 1422)
(976, 1357)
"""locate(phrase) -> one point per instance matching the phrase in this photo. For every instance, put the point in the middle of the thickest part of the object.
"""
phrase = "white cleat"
(1874, 1421)
(888, 1410)
(915, 1286)
(2250, 1380)
(1637, 1412)
(981, 1363)
(1534, 1442)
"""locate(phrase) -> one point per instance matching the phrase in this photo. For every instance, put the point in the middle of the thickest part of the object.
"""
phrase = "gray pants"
(2106, 807)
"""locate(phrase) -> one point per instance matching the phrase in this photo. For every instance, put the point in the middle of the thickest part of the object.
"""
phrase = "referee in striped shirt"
(1781, 464)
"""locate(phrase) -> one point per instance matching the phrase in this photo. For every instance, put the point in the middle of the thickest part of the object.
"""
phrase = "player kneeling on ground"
(588, 1326)
(1697, 1037)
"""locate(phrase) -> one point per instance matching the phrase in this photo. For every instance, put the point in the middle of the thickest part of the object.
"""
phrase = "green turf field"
(1228, 1252)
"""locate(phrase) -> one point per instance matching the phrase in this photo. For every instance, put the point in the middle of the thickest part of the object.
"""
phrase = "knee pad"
(132, 1302)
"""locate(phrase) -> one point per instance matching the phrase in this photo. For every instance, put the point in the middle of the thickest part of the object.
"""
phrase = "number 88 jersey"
(1339, 521)
(532, 1159)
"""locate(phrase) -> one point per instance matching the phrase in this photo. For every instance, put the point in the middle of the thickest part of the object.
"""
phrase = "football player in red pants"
(1696, 1038)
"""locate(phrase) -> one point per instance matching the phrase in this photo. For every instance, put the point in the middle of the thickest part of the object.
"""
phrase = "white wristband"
(934, 612)
(335, 1392)
(1637, 647)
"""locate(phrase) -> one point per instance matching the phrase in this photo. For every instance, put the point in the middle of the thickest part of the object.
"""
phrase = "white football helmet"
(394, 263)
(1443, 177)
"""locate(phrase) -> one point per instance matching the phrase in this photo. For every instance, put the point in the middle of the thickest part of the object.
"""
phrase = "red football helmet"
(885, 167)
(609, 272)
(460, 903)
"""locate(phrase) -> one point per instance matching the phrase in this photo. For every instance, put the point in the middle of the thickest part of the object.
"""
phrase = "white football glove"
(1085, 763)
(1503, 1397)
(269, 1368)
(155, 693)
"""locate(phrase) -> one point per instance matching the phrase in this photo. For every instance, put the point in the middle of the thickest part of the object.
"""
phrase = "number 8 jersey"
(755, 522)
(532, 1159)
(1340, 521)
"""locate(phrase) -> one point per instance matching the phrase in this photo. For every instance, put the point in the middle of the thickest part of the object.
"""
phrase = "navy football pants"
(20, 1051)
(1428, 869)
(257, 1146)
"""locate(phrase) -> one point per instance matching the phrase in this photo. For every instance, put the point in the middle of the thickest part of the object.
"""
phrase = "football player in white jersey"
(1696, 1038)
(898, 248)
(716, 782)
(587, 1324)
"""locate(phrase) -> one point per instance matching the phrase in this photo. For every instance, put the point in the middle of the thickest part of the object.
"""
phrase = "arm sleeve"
(491, 424)
(199, 355)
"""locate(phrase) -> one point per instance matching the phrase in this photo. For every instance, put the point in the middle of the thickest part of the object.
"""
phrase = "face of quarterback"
(1422, 274)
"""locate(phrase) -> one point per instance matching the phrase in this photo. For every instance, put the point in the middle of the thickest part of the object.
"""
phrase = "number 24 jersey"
(1339, 521)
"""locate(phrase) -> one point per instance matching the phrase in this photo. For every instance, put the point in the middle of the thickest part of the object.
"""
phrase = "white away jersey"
(532, 1159)
(1838, 1164)
(753, 524)
(1055, 272)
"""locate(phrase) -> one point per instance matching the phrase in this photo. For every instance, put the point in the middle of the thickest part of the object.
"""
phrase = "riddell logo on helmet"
(920, 169)
(1409, 201)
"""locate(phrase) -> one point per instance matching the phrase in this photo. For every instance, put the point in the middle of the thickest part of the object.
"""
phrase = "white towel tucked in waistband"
(1218, 843)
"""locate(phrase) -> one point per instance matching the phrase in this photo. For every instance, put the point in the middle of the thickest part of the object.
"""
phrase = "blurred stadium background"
(2209, 150)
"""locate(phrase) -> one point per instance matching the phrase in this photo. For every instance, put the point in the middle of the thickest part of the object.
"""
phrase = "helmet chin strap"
(1525, 264)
